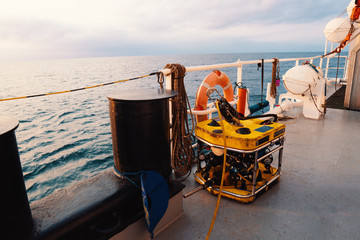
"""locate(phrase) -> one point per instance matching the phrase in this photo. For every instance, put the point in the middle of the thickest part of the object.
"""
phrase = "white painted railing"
(239, 64)
(342, 68)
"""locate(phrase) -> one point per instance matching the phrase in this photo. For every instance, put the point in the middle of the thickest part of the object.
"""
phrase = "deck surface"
(337, 99)
(318, 196)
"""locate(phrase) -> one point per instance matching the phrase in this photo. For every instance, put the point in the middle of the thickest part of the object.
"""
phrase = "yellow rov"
(252, 146)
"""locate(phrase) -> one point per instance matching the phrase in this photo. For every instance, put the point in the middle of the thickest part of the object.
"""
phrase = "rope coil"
(182, 151)
(275, 77)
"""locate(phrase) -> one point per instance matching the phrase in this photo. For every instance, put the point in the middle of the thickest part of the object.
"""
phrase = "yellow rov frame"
(252, 138)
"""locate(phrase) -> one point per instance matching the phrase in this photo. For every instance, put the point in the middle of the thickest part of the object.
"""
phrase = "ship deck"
(316, 198)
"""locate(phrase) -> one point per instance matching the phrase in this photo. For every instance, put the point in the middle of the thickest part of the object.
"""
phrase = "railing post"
(328, 62)
(239, 72)
(168, 86)
(346, 65)
(325, 51)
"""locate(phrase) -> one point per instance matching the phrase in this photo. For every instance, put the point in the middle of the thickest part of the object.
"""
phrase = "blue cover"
(155, 195)
(263, 129)
(258, 106)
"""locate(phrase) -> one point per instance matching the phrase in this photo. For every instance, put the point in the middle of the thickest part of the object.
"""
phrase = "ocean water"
(63, 139)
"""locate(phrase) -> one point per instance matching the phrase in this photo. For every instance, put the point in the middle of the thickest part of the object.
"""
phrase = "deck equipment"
(251, 146)
(306, 84)
(140, 117)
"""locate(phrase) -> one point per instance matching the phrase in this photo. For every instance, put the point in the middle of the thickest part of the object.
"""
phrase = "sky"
(49, 29)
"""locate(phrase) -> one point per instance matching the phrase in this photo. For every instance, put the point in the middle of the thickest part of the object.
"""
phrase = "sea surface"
(63, 139)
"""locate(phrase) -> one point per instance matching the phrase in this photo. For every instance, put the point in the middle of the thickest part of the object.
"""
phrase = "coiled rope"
(182, 151)
(79, 89)
(275, 77)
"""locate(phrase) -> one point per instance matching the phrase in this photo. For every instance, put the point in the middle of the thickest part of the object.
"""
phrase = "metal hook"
(210, 90)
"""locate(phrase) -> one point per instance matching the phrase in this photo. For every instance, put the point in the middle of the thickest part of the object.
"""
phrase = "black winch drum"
(140, 130)
(15, 207)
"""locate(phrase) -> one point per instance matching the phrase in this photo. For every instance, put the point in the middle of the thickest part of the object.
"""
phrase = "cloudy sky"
(46, 29)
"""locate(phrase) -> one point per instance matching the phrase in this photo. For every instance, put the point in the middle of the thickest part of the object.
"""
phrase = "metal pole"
(168, 86)
(239, 72)
(254, 174)
(280, 156)
(325, 51)
(328, 62)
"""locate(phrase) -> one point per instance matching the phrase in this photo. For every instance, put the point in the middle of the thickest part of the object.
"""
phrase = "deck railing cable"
(79, 89)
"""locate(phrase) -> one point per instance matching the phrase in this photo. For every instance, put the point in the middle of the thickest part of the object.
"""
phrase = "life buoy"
(215, 78)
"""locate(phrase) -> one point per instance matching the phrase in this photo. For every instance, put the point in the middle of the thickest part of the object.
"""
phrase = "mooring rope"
(274, 77)
(79, 89)
(182, 151)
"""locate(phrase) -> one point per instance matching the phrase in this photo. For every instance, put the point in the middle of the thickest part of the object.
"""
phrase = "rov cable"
(79, 89)
(222, 175)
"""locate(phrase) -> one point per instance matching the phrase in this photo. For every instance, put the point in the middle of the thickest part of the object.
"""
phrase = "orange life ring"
(215, 78)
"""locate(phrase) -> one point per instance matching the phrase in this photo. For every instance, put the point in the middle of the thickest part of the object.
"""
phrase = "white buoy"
(306, 88)
(337, 29)
(298, 80)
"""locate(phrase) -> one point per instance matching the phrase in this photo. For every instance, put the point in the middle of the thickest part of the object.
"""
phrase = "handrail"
(239, 65)
(327, 68)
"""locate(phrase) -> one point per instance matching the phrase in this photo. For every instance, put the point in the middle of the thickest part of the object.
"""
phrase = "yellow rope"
(77, 89)
(222, 175)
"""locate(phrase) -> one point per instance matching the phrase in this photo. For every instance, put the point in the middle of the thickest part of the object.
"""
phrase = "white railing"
(239, 64)
(340, 68)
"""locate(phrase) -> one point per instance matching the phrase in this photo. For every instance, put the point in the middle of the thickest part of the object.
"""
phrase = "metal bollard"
(140, 130)
(15, 205)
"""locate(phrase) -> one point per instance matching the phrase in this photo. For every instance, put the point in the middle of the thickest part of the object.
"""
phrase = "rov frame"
(276, 145)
